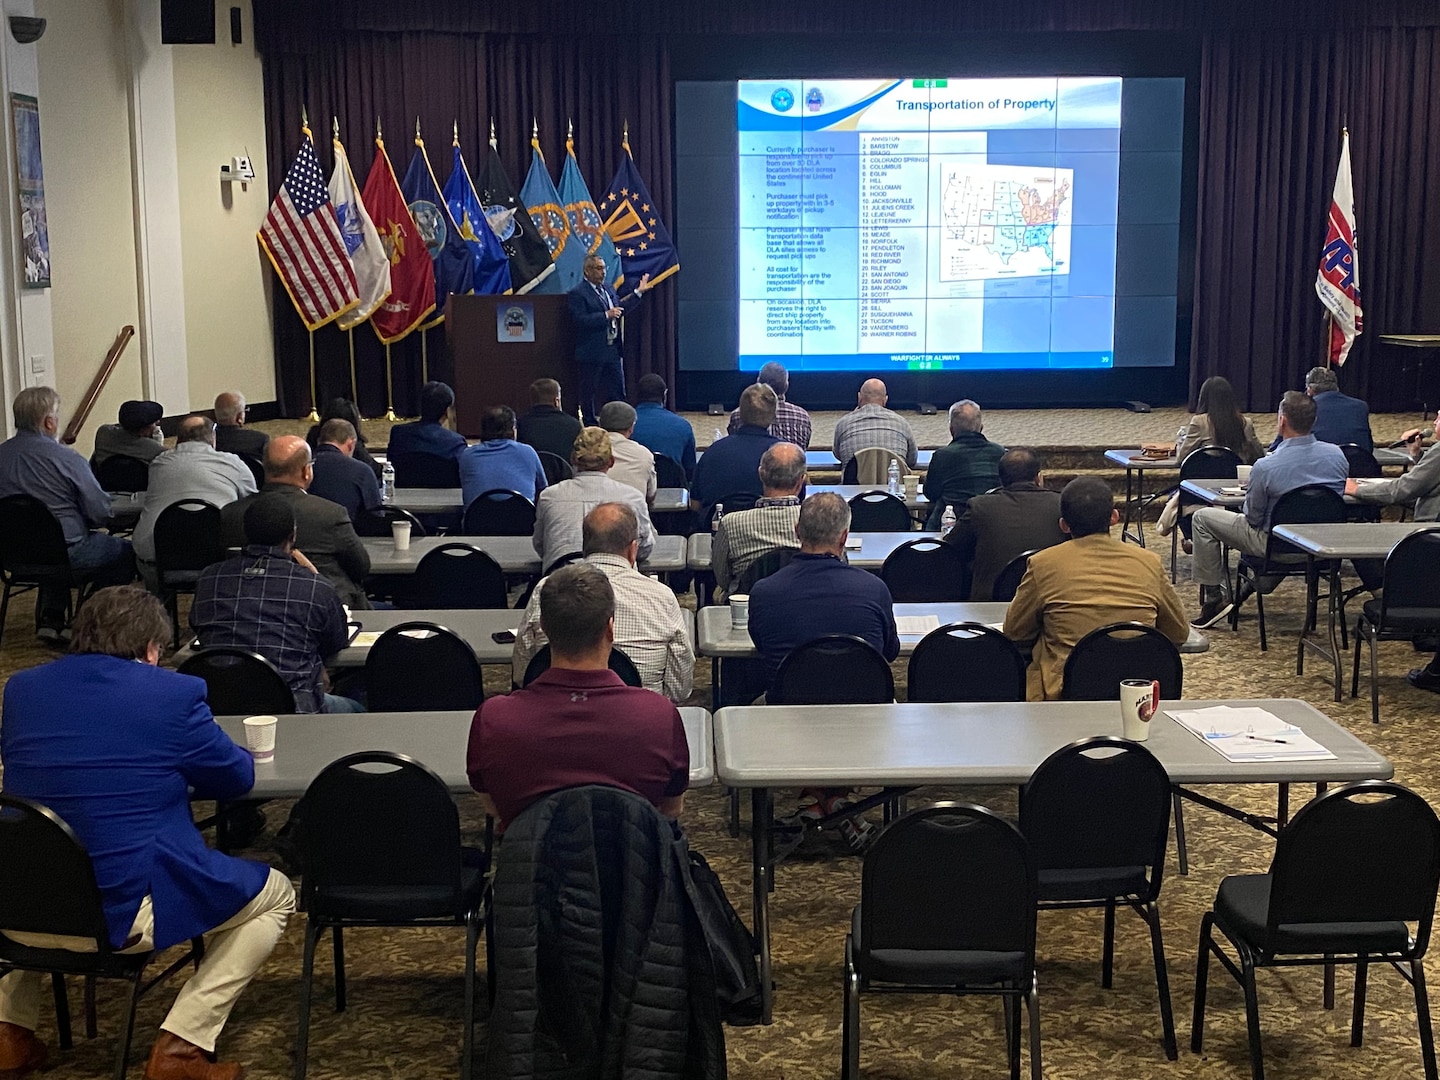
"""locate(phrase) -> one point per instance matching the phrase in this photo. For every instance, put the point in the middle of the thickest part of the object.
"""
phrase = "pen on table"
(1266, 738)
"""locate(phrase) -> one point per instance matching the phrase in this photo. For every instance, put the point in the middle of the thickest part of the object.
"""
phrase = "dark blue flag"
(633, 223)
(454, 263)
(492, 266)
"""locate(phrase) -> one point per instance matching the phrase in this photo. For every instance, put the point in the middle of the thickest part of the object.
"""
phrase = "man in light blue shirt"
(34, 463)
(659, 429)
(1300, 459)
(194, 469)
(498, 462)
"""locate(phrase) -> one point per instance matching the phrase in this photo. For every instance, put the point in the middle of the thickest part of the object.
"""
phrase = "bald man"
(872, 424)
(322, 528)
(231, 434)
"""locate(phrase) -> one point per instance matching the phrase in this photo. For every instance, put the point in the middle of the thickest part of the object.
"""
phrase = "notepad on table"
(365, 639)
(1249, 733)
(916, 625)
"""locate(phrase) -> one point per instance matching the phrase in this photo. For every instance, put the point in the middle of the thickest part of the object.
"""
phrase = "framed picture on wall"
(30, 183)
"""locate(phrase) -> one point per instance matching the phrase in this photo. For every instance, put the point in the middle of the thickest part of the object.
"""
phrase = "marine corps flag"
(491, 267)
(546, 211)
(528, 255)
(454, 263)
(362, 242)
(412, 274)
(634, 224)
(585, 224)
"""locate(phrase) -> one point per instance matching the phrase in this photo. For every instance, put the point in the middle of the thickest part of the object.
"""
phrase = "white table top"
(1134, 459)
(450, 500)
(874, 547)
(849, 491)
(715, 636)
(305, 744)
(1351, 540)
(515, 554)
(826, 459)
(913, 745)
(1210, 493)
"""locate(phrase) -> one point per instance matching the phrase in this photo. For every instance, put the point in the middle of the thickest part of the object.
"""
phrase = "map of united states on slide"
(1004, 221)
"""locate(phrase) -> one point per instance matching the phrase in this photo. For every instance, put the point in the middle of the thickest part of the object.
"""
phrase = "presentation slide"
(929, 223)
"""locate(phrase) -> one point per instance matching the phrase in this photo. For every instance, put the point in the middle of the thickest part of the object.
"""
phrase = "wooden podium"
(494, 366)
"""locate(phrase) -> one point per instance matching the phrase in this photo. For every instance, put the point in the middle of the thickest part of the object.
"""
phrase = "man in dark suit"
(547, 427)
(339, 477)
(118, 746)
(231, 434)
(999, 525)
(1339, 418)
(324, 531)
(596, 313)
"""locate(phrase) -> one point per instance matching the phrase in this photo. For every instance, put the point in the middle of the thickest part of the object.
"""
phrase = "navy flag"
(529, 257)
(454, 262)
(633, 223)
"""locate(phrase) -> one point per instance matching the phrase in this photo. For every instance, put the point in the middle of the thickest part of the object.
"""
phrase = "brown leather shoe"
(172, 1058)
(21, 1053)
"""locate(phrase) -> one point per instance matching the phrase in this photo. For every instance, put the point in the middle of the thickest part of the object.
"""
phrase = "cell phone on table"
(503, 637)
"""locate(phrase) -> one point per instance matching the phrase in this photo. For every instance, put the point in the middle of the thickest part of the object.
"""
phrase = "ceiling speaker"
(187, 22)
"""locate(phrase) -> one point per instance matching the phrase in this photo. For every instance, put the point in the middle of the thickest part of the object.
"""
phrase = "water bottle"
(715, 518)
(387, 483)
(716, 437)
(947, 520)
(894, 477)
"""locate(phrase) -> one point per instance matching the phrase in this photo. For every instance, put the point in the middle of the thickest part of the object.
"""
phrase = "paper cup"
(1139, 700)
(400, 533)
(740, 611)
(1242, 473)
(912, 486)
(260, 736)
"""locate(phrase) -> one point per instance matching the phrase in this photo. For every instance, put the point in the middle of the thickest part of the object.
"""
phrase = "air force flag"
(492, 266)
(362, 243)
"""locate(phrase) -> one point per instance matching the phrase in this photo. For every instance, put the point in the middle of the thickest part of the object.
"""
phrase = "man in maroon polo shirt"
(578, 723)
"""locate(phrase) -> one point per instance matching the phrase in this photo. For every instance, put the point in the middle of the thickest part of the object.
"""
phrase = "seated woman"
(1217, 421)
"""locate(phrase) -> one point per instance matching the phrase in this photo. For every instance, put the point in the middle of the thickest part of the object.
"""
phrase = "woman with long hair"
(1218, 421)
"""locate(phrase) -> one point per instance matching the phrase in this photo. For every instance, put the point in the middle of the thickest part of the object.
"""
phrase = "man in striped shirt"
(872, 424)
(791, 423)
(746, 535)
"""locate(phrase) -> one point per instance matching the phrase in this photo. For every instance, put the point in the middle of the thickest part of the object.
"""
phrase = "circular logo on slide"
(783, 100)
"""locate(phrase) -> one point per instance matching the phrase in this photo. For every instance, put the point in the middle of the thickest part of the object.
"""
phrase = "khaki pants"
(234, 952)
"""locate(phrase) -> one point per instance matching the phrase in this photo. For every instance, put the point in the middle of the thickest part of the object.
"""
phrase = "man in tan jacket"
(1086, 583)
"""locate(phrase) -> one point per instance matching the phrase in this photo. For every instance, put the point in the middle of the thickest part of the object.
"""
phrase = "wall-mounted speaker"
(187, 22)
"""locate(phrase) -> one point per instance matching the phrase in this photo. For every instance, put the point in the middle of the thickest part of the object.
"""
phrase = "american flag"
(302, 239)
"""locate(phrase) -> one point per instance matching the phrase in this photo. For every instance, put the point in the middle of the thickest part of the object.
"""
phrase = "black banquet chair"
(879, 511)
(187, 540)
(239, 682)
(499, 513)
(837, 669)
(1351, 870)
(451, 681)
(122, 473)
(458, 576)
(555, 467)
(1008, 580)
(1203, 463)
(1097, 816)
(1122, 650)
(620, 664)
(256, 467)
(421, 470)
(1408, 605)
(32, 551)
(947, 906)
(1361, 462)
(771, 562)
(925, 570)
(966, 661)
(377, 522)
(669, 473)
(48, 887)
(381, 848)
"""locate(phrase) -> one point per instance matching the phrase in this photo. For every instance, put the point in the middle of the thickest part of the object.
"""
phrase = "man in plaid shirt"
(792, 423)
(872, 424)
(745, 535)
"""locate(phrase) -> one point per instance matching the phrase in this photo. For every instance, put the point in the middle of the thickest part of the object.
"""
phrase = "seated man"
(634, 464)
(996, 527)
(1419, 488)
(1299, 460)
(968, 466)
(428, 435)
(117, 747)
(792, 423)
(577, 723)
(325, 533)
(872, 424)
(1094, 580)
(231, 434)
(547, 427)
(659, 429)
(744, 536)
(649, 627)
(498, 461)
(561, 508)
(731, 465)
(32, 462)
(194, 469)
(1339, 418)
(271, 600)
(137, 435)
(339, 477)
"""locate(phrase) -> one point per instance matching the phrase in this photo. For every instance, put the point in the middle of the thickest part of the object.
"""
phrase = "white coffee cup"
(1242, 473)
(260, 736)
(1139, 701)
(740, 611)
(400, 533)
(912, 485)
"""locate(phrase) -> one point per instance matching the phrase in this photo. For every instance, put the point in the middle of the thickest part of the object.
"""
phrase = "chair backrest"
(738, 500)
(872, 466)
(1361, 461)
(879, 511)
(837, 669)
(1310, 504)
(377, 522)
(1412, 579)
(949, 877)
(31, 540)
(239, 682)
(925, 570)
(256, 467)
(121, 472)
(1008, 580)
(1099, 803)
(48, 886)
(966, 661)
(458, 576)
(1210, 463)
(188, 536)
(499, 513)
(669, 472)
(773, 560)
(620, 664)
(1122, 650)
(383, 822)
(423, 470)
(555, 467)
(564, 560)
(1364, 852)
(452, 678)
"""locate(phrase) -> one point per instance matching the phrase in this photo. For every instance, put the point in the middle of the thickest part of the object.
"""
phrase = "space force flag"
(547, 212)
(302, 239)
(529, 257)
(362, 243)
(585, 224)
(412, 274)
(491, 267)
(633, 223)
(454, 262)
(1338, 280)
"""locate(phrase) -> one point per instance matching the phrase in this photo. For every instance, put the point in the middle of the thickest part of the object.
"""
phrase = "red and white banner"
(1338, 281)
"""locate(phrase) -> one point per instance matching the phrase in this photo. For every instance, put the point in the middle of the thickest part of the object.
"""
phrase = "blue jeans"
(96, 561)
(336, 704)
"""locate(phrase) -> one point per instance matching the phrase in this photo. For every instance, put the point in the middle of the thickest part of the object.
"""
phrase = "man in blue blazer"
(596, 313)
(117, 747)
(1339, 418)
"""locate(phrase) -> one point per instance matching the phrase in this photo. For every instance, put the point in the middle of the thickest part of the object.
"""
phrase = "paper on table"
(365, 639)
(1248, 733)
(852, 543)
(916, 624)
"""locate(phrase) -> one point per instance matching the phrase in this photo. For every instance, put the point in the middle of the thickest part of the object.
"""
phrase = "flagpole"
(314, 416)
(354, 385)
(424, 357)
(389, 388)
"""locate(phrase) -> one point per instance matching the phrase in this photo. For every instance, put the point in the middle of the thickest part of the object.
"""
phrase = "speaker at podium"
(500, 345)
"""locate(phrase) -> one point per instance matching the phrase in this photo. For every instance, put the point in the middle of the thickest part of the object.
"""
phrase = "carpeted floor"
(403, 1018)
